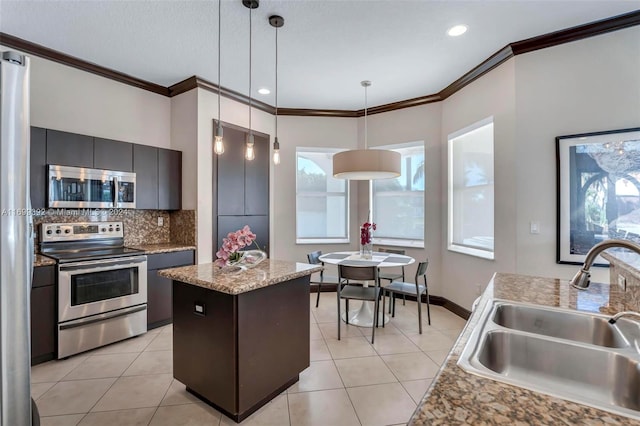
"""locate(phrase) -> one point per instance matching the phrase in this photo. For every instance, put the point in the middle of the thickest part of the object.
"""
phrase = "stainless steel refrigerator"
(16, 242)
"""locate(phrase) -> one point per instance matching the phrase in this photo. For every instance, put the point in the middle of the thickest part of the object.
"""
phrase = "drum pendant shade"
(366, 164)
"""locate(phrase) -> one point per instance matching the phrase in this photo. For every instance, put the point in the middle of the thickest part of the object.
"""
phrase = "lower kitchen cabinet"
(44, 302)
(159, 293)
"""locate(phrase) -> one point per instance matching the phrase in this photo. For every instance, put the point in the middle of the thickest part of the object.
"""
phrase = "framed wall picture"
(598, 177)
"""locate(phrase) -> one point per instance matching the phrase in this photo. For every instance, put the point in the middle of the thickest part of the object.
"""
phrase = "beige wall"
(585, 86)
(65, 98)
(410, 125)
(491, 95)
(317, 132)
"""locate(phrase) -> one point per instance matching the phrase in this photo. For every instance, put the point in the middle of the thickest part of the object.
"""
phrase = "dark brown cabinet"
(69, 149)
(145, 165)
(159, 294)
(43, 315)
(242, 187)
(169, 179)
(158, 171)
(112, 155)
(38, 165)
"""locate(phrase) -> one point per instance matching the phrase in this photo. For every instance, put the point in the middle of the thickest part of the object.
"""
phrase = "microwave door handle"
(116, 189)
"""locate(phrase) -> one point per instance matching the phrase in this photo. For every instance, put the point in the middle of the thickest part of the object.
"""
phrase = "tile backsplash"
(140, 226)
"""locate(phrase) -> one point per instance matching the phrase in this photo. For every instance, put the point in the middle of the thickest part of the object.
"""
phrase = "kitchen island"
(459, 397)
(240, 338)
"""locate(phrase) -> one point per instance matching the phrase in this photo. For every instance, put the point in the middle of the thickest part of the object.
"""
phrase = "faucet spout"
(581, 279)
(619, 315)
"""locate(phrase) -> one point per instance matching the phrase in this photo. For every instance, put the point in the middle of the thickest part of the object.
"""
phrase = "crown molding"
(64, 59)
(509, 51)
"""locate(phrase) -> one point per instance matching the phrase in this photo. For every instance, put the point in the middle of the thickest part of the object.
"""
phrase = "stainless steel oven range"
(102, 285)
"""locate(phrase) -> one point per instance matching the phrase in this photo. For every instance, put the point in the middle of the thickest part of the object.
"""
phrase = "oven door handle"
(103, 264)
(102, 317)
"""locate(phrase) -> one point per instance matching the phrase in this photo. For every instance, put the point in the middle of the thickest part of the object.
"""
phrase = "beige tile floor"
(349, 382)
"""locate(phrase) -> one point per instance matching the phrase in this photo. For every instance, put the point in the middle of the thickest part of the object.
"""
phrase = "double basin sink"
(572, 355)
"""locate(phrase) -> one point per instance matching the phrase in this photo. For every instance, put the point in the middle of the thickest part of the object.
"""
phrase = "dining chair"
(393, 275)
(314, 259)
(358, 292)
(410, 289)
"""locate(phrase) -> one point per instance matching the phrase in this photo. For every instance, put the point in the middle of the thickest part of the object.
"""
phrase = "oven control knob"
(117, 229)
(49, 232)
(58, 231)
(104, 229)
(66, 231)
(110, 229)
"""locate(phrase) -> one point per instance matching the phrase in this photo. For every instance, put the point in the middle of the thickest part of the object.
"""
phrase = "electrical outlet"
(160, 221)
(622, 282)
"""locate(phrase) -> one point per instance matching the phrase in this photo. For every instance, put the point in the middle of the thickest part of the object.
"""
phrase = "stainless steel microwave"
(78, 187)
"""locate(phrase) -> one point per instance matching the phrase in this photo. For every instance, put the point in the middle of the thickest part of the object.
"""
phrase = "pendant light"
(218, 144)
(366, 164)
(276, 22)
(250, 152)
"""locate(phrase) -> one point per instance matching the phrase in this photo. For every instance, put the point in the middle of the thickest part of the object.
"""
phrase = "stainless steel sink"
(571, 355)
(578, 327)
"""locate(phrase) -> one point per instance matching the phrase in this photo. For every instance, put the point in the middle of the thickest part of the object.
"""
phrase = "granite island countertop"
(462, 398)
(162, 248)
(268, 272)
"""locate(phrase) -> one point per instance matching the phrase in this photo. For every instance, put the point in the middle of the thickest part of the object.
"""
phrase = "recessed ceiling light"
(264, 91)
(457, 30)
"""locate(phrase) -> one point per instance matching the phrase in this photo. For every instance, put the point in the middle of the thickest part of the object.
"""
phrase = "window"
(322, 202)
(471, 190)
(398, 204)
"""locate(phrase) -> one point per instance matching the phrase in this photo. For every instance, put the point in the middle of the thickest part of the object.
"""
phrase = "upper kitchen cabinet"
(69, 149)
(169, 179)
(112, 155)
(145, 165)
(38, 165)
(243, 186)
(256, 179)
(230, 173)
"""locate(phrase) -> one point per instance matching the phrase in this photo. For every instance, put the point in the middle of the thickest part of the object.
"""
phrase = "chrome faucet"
(581, 279)
(617, 316)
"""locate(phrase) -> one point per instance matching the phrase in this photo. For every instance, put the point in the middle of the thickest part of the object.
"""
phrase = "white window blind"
(471, 193)
(398, 204)
(322, 202)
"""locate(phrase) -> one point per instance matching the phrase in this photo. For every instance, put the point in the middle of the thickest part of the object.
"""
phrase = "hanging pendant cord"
(250, 38)
(365, 118)
(219, 45)
(276, 82)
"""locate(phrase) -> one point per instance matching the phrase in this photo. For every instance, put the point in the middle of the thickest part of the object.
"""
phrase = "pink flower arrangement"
(365, 232)
(232, 244)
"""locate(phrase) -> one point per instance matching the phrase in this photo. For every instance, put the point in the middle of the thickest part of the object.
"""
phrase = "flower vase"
(366, 243)
(247, 259)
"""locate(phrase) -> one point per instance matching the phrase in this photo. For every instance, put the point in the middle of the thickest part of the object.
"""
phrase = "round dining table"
(363, 316)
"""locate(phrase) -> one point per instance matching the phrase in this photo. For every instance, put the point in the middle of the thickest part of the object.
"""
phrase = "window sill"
(322, 241)
(472, 251)
(398, 242)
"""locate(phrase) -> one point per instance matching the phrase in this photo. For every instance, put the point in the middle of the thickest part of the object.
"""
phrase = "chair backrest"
(389, 250)
(362, 273)
(314, 257)
(422, 269)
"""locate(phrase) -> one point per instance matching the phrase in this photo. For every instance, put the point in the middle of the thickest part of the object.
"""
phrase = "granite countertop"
(624, 258)
(267, 273)
(162, 248)
(40, 260)
(459, 397)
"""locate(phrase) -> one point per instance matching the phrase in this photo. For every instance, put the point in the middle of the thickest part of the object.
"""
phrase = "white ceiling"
(326, 47)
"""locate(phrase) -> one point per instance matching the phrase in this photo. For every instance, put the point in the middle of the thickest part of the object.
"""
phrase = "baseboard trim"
(433, 300)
